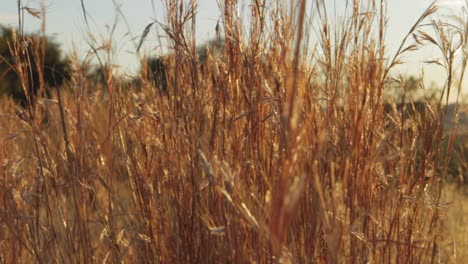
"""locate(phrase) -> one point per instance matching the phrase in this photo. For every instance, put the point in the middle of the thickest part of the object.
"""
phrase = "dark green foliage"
(156, 68)
(55, 69)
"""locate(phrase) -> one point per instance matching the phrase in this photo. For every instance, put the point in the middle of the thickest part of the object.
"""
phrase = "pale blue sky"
(65, 22)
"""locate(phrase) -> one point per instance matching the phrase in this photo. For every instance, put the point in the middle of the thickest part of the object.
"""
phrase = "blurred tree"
(156, 72)
(155, 69)
(214, 47)
(53, 68)
(98, 75)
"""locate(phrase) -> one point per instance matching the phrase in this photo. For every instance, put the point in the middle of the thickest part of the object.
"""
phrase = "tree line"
(45, 67)
(31, 65)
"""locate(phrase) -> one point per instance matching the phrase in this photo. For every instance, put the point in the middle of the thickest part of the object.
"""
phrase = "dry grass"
(456, 224)
(281, 152)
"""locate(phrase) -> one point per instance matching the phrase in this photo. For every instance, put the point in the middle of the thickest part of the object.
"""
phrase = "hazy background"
(66, 23)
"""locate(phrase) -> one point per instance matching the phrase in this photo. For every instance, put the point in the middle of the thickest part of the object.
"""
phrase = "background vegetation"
(280, 145)
(43, 64)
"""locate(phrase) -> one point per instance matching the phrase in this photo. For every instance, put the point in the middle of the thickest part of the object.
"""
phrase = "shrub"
(24, 59)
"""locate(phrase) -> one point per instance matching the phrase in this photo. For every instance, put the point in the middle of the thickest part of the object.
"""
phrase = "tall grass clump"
(280, 147)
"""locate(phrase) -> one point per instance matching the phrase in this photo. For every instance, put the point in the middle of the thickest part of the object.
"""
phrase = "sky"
(65, 22)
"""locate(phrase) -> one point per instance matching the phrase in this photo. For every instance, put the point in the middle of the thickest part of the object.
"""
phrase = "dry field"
(455, 227)
(281, 148)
